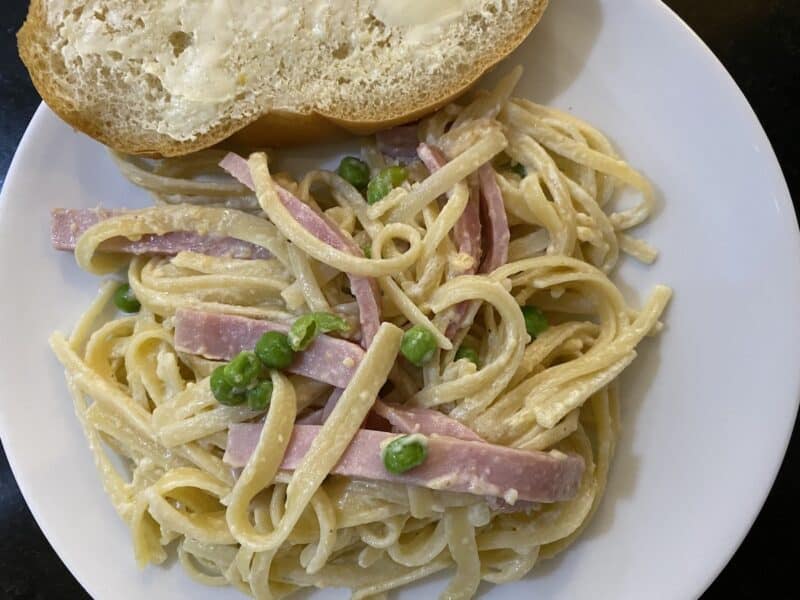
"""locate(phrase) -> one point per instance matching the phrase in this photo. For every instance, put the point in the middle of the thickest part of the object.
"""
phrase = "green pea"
(259, 396)
(303, 332)
(383, 183)
(305, 329)
(535, 321)
(418, 345)
(367, 249)
(354, 171)
(243, 370)
(404, 453)
(468, 353)
(396, 174)
(326, 322)
(274, 350)
(519, 169)
(125, 299)
(222, 390)
(378, 189)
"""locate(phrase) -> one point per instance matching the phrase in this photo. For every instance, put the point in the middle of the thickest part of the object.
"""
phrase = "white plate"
(708, 407)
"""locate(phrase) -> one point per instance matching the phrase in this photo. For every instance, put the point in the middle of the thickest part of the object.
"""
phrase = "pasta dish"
(358, 378)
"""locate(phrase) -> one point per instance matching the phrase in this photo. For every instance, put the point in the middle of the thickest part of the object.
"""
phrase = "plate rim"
(787, 204)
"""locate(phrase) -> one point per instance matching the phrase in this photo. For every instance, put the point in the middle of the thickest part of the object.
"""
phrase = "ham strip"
(497, 238)
(364, 289)
(330, 404)
(493, 211)
(312, 418)
(467, 230)
(399, 142)
(411, 419)
(372, 420)
(238, 169)
(68, 224)
(466, 233)
(221, 337)
(452, 465)
(402, 419)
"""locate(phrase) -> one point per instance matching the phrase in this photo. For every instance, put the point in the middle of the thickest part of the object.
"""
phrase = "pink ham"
(399, 142)
(452, 465)
(238, 169)
(493, 211)
(312, 418)
(68, 224)
(411, 419)
(467, 230)
(364, 289)
(402, 419)
(458, 315)
(431, 156)
(466, 233)
(330, 404)
(221, 337)
(496, 237)
(372, 420)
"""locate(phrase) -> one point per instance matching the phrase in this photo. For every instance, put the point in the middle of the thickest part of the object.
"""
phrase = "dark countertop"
(759, 43)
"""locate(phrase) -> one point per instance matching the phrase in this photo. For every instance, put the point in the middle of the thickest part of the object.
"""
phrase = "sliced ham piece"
(221, 337)
(68, 224)
(312, 418)
(452, 465)
(330, 404)
(399, 142)
(466, 233)
(493, 212)
(412, 419)
(496, 238)
(431, 156)
(467, 230)
(365, 289)
(372, 420)
(238, 169)
(458, 314)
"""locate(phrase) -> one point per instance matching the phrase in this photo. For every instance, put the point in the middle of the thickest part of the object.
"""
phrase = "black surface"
(759, 43)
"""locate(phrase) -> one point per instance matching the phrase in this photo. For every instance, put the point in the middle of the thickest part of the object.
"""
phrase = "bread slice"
(169, 77)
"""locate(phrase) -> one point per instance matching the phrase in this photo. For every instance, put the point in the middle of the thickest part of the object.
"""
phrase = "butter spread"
(199, 73)
(422, 20)
(204, 52)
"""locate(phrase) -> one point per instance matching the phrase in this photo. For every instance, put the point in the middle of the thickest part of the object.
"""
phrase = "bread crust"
(274, 128)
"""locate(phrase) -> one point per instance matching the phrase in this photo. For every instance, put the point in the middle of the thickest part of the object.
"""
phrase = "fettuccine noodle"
(270, 530)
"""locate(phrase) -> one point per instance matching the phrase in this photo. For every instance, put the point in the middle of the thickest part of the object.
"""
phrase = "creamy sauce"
(511, 495)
